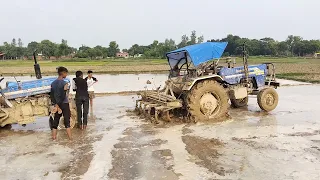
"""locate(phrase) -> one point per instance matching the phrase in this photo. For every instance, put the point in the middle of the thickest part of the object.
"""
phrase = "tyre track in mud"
(284, 144)
(138, 156)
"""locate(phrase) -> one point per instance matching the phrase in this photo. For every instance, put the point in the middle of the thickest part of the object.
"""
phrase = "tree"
(184, 41)
(293, 41)
(48, 48)
(200, 39)
(193, 38)
(313, 46)
(13, 49)
(92, 53)
(268, 46)
(135, 50)
(98, 51)
(113, 49)
(7, 50)
(32, 46)
(167, 46)
(63, 49)
(283, 48)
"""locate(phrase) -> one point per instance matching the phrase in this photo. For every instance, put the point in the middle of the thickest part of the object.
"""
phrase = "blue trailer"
(21, 102)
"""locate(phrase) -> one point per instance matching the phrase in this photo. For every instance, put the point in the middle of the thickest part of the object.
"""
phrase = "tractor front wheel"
(207, 100)
(268, 99)
(238, 103)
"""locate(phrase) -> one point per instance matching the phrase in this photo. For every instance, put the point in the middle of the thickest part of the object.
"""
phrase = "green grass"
(124, 65)
(303, 77)
(138, 61)
(256, 60)
(84, 62)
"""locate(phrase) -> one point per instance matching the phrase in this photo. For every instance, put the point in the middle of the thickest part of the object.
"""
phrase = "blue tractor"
(201, 89)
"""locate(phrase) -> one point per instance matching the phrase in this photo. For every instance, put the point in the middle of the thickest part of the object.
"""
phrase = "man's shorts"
(91, 94)
(54, 121)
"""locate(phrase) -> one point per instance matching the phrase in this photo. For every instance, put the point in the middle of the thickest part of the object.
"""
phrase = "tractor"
(21, 102)
(200, 90)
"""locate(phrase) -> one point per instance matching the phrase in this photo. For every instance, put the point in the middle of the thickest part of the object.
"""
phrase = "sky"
(97, 22)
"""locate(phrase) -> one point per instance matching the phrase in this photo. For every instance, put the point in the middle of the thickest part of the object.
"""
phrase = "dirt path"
(284, 144)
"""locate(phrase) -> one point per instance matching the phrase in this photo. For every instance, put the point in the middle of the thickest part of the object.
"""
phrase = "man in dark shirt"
(82, 99)
(59, 98)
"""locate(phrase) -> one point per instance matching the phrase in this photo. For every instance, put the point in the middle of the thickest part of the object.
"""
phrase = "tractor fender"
(188, 86)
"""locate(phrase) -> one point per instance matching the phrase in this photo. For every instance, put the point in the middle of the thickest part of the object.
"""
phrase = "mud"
(128, 84)
(207, 155)
(283, 144)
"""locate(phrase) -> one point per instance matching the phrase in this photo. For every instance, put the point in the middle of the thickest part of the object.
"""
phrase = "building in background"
(122, 55)
(2, 55)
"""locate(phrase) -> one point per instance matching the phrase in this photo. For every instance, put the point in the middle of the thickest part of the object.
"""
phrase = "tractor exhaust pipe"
(37, 69)
(245, 63)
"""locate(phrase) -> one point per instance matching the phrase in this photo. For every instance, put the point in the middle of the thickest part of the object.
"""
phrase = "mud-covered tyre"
(268, 99)
(238, 103)
(207, 100)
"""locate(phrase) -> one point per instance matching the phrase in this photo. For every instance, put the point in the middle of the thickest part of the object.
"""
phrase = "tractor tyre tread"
(262, 102)
(195, 94)
(238, 103)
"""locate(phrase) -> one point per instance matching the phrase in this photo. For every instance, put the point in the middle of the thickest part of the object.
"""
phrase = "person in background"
(59, 98)
(82, 99)
(91, 81)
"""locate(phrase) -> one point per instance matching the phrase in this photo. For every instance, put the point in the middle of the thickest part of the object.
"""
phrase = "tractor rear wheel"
(238, 103)
(207, 100)
(268, 99)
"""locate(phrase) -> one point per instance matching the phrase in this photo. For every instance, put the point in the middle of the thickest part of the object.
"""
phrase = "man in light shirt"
(91, 81)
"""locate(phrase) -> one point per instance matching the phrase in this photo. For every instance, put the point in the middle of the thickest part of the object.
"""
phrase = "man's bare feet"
(54, 134)
(69, 133)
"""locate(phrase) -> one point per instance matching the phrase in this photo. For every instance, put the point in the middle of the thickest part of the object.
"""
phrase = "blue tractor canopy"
(196, 54)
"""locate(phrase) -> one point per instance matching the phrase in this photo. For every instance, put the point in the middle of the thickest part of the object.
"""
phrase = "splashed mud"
(283, 144)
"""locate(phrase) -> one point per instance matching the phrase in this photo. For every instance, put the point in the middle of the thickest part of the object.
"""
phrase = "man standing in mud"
(91, 81)
(59, 98)
(82, 99)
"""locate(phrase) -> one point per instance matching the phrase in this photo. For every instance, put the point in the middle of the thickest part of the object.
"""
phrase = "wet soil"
(207, 155)
(283, 144)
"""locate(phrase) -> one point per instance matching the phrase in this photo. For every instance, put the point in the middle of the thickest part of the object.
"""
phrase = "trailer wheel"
(207, 100)
(238, 103)
(268, 99)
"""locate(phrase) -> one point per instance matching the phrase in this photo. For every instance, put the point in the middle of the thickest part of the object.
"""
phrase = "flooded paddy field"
(283, 144)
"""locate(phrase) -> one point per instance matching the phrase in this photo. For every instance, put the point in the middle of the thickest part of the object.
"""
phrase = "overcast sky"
(97, 22)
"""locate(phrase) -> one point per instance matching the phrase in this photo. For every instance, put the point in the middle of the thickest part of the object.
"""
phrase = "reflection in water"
(112, 83)
(91, 116)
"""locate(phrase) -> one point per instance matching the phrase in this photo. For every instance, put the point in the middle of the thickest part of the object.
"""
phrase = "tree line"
(292, 46)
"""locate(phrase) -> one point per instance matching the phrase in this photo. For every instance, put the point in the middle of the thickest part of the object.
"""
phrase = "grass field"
(307, 70)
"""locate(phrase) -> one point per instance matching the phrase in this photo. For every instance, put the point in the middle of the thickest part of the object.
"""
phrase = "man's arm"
(95, 79)
(53, 99)
(60, 95)
(86, 86)
(74, 85)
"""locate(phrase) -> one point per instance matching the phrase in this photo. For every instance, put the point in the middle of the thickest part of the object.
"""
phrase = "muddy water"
(283, 144)
(112, 83)
(109, 83)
